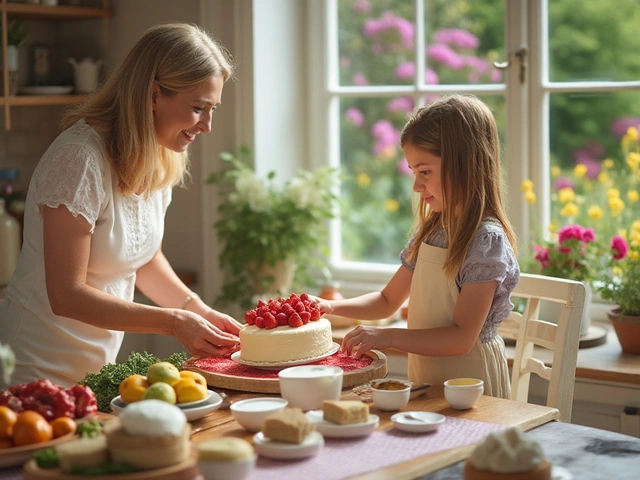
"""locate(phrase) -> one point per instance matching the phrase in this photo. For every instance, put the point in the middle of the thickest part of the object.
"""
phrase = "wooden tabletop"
(604, 362)
(488, 409)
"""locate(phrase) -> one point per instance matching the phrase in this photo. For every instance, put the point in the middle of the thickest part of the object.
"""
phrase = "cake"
(289, 425)
(225, 449)
(284, 330)
(345, 412)
(149, 434)
(508, 455)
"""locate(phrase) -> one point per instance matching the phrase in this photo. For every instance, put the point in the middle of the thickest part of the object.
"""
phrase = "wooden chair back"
(528, 330)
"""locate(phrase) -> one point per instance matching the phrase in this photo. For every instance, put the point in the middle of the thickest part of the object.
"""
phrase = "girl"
(460, 266)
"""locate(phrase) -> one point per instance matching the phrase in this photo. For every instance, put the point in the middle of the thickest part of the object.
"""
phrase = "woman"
(95, 211)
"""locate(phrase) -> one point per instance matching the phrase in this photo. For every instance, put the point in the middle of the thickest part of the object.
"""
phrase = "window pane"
(376, 41)
(376, 193)
(594, 40)
(462, 40)
(589, 130)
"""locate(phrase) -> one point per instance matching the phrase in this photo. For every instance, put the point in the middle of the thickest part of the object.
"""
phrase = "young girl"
(460, 266)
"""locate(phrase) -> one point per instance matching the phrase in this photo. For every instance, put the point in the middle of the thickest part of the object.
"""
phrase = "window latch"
(521, 55)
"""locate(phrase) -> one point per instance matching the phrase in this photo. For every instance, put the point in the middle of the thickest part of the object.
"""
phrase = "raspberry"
(295, 321)
(305, 316)
(282, 319)
(260, 322)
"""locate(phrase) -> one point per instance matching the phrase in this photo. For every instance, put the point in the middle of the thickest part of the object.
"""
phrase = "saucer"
(330, 429)
(211, 403)
(283, 450)
(427, 421)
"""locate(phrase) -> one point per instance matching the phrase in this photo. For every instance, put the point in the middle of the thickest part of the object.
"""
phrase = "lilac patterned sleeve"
(492, 258)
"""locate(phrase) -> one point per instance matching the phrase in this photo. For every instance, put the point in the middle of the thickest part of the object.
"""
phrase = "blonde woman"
(95, 212)
(459, 268)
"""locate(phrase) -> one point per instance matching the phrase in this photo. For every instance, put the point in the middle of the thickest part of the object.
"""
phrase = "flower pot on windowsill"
(627, 328)
(273, 280)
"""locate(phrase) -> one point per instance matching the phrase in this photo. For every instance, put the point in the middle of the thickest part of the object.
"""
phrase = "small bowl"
(250, 414)
(417, 421)
(307, 386)
(463, 393)
(232, 470)
(387, 399)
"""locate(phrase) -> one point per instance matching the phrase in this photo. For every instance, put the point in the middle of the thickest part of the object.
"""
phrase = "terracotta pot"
(627, 329)
(273, 280)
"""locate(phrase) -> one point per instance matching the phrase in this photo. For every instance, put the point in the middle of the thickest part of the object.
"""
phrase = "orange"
(187, 390)
(7, 420)
(5, 443)
(30, 428)
(62, 426)
(199, 378)
(132, 388)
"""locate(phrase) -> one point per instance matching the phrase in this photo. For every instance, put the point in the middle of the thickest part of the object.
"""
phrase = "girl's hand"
(203, 338)
(365, 339)
(325, 306)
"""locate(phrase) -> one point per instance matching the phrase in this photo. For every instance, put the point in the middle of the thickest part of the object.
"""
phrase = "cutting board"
(376, 369)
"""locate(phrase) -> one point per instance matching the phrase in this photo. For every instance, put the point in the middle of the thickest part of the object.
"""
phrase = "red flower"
(542, 255)
(619, 247)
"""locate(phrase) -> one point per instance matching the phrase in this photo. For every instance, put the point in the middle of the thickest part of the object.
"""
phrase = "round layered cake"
(285, 343)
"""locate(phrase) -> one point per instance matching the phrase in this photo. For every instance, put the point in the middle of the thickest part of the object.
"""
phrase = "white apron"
(432, 302)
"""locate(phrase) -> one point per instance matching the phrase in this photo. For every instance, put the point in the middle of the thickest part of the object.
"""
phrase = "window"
(563, 101)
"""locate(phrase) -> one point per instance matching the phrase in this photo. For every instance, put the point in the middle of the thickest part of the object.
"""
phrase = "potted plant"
(621, 285)
(17, 35)
(271, 234)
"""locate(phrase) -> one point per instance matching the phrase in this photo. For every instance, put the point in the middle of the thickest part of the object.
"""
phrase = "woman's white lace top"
(126, 233)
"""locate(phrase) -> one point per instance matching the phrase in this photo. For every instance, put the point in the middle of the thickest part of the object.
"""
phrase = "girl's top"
(490, 257)
(126, 232)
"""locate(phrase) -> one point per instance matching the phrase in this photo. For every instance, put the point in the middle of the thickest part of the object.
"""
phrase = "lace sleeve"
(71, 176)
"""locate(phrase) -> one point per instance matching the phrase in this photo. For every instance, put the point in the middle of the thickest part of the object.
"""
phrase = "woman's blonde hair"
(461, 130)
(176, 57)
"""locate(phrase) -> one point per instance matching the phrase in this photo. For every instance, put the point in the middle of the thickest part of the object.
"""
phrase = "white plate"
(46, 90)
(283, 450)
(330, 429)
(428, 421)
(236, 357)
(197, 402)
(212, 403)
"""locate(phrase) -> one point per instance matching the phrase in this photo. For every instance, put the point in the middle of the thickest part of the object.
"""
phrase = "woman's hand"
(223, 321)
(362, 339)
(203, 338)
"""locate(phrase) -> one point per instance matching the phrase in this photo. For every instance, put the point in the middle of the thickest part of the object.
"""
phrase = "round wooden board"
(187, 470)
(376, 369)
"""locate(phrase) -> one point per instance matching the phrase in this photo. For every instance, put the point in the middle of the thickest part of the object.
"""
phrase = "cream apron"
(432, 302)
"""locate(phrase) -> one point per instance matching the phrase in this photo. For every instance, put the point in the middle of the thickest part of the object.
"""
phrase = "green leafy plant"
(17, 33)
(263, 223)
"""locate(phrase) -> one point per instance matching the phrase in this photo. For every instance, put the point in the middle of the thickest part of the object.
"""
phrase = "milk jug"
(86, 74)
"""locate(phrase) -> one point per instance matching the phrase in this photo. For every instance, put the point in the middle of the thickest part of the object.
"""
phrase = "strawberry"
(305, 316)
(299, 307)
(295, 321)
(315, 314)
(270, 322)
(260, 322)
(294, 298)
(304, 296)
(262, 310)
(250, 317)
(282, 319)
(261, 303)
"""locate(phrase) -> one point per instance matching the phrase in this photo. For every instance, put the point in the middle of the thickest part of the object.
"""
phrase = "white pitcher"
(86, 73)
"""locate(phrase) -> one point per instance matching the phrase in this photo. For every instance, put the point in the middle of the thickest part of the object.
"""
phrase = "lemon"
(187, 390)
(164, 372)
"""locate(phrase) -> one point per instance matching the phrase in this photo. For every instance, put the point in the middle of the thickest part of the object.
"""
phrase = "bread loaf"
(289, 425)
(345, 412)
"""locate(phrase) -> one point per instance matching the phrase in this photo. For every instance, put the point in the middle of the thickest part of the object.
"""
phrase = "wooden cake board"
(376, 369)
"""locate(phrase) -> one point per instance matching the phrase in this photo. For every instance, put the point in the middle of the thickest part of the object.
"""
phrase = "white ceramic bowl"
(463, 393)
(238, 470)
(390, 400)
(307, 386)
(250, 414)
(417, 421)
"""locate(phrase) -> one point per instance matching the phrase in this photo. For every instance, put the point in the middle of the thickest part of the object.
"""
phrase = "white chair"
(562, 339)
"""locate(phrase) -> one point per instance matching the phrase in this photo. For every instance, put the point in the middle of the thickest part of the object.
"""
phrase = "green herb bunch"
(263, 223)
(106, 382)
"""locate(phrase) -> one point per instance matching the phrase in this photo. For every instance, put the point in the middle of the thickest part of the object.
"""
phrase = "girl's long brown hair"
(461, 130)
(175, 56)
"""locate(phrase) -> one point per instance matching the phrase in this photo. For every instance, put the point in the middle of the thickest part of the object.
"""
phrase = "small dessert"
(508, 455)
(149, 434)
(284, 330)
(345, 412)
(82, 453)
(226, 457)
(289, 425)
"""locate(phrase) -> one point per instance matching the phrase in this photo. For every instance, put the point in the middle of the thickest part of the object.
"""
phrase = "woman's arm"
(472, 308)
(67, 245)
(374, 305)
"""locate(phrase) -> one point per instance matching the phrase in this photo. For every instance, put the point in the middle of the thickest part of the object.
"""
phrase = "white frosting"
(282, 344)
(153, 418)
(510, 451)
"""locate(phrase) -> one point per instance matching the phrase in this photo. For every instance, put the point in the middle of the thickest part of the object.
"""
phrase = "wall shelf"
(28, 11)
